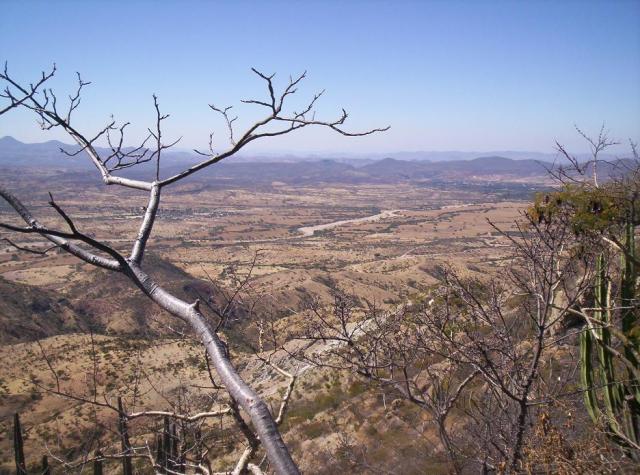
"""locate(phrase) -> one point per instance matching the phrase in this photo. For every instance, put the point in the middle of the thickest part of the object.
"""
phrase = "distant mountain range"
(51, 148)
(17, 154)
(291, 169)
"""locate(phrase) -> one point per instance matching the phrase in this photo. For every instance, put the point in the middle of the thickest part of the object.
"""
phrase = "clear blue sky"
(473, 75)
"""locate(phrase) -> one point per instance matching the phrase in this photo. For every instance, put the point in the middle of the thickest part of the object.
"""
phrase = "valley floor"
(382, 243)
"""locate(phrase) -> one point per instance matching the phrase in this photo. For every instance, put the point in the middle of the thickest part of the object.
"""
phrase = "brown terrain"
(383, 240)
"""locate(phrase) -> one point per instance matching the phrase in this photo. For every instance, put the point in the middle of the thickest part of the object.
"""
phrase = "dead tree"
(493, 349)
(46, 106)
(479, 346)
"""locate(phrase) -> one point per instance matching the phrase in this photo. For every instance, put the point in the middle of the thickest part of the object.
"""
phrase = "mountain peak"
(9, 140)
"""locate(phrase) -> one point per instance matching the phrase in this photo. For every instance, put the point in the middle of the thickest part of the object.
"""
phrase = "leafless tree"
(491, 350)
(47, 107)
(466, 347)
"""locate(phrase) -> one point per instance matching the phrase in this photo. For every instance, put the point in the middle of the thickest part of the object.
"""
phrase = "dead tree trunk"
(285, 122)
(246, 397)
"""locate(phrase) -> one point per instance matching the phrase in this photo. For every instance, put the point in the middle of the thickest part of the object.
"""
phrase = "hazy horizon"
(447, 76)
(410, 155)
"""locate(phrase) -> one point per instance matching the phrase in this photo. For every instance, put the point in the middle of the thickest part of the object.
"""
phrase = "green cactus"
(618, 406)
(586, 375)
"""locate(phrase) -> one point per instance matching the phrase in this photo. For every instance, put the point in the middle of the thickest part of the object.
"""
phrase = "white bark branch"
(183, 417)
(60, 241)
(147, 225)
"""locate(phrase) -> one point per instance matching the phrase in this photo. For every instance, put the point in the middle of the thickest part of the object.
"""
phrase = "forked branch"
(44, 104)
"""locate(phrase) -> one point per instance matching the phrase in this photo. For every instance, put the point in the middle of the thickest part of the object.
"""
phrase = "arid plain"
(383, 242)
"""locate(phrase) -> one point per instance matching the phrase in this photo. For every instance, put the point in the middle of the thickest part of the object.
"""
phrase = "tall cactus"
(97, 463)
(123, 429)
(45, 466)
(18, 446)
(620, 389)
(631, 330)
